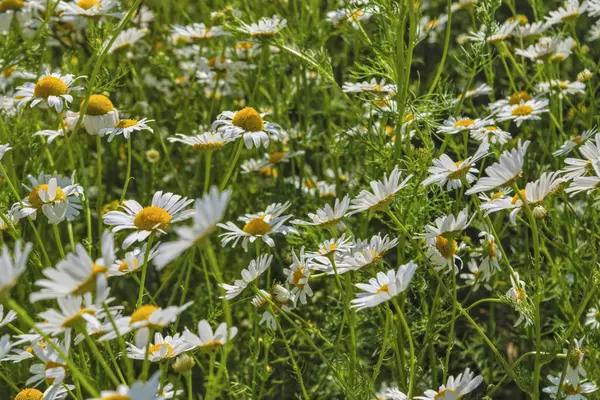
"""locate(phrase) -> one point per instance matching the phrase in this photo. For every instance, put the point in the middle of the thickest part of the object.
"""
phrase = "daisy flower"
(548, 49)
(366, 253)
(575, 358)
(531, 30)
(463, 4)
(208, 341)
(594, 32)
(447, 226)
(330, 247)
(142, 319)
(495, 35)
(560, 87)
(87, 8)
(514, 99)
(572, 388)
(77, 273)
(265, 28)
(480, 90)
(384, 287)
(255, 269)
(126, 39)
(73, 312)
(58, 197)
(100, 114)
(53, 89)
(571, 10)
(207, 141)
(126, 127)
(491, 133)
(518, 295)
(390, 393)
(504, 172)
(133, 261)
(369, 87)
(197, 32)
(298, 274)
(51, 366)
(383, 193)
(442, 256)
(476, 276)
(453, 126)
(455, 388)
(524, 111)
(490, 255)
(327, 217)
(64, 129)
(138, 391)
(577, 167)
(3, 149)
(54, 392)
(592, 317)
(585, 183)
(451, 174)
(166, 209)
(576, 141)
(248, 123)
(258, 226)
(162, 348)
(5, 320)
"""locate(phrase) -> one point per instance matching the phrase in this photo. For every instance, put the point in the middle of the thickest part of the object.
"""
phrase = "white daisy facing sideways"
(126, 39)
(207, 141)
(383, 193)
(207, 212)
(265, 27)
(447, 226)
(162, 348)
(165, 209)
(206, 340)
(455, 388)
(327, 217)
(248, 123)
(52, 89)
(138, 391)
(87, 8)
(453, 126)
(126, 127)
(524, 111)
(255, 269)
(12, 266)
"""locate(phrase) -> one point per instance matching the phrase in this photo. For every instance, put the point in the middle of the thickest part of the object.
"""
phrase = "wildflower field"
(299, 199)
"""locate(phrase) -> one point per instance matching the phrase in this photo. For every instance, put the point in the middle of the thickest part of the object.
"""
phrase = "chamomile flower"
(594, 32)
(254, 271)
(100, 114)
(73, 312)
(577, 167)
(265, 28)
(491, 133)
(592, 317)
(365, 253)
(52, 89)
(533, 29)
(481, 90)
(369, 87)
(571, 10)
(453, 126)
(57, 197)
(248, 123)
(585, 184)
(496, 34)
(390, 393)
(63, 130)
(384, 287)
(327, 217)
(552, 49)
(126, 127)
(207, 141)
(490, 255)
(162, 348)
(138, 391)
(126, 39)
(53, 392)
(330, 247)
(197, 32)
(87, 8)
(208, 341)
(575, 361)
(166, 209)
(476, 277)
(518, 295)
(51, 367)
(142, 319)
(447, 226)
(77, 273)
(451, 174)
(207, 212)
(298, 274)
(383, 193)
(561, 87)
(133, 261)
(5, 320)
(455, 388)
(524, 111)
(442, 253)
(504, 172)
(573, 389)
(258, 226)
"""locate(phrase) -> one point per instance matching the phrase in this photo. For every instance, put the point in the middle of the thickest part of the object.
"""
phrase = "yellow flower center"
(37, 202)
(519, 17)
(151, 218)
(77, 319)
(244, 45)
(383, 288)
(210, 346)
(522, 110)
(521, 294)
(29, 394)
(159, 346)
(491, 128)
(89, 284)
(87, 4)
(126, 123)
(208, 146)
(516, 98)
(49, 86)
(443, 246)
(597, 315)
(409, 117)
(142, 314)
(464, 123)
(257, 227)
(297, 276)
(249, 120)
(460, 173)
(9, 71)
(442, 394)
(517, 198)
(123, 267)
(497, 195)
(431, 24)
(99, 105)
(11, 5)
(276, 157)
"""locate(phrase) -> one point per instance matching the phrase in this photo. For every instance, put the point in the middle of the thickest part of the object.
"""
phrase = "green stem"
(411, 347)
(144, 270)
(128, 173)
(99, 357)
(294, 363)
(232, 163)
